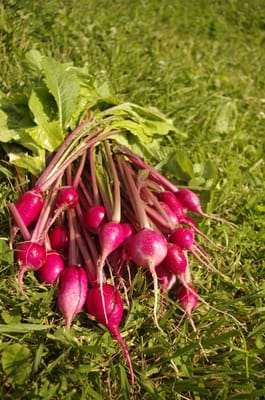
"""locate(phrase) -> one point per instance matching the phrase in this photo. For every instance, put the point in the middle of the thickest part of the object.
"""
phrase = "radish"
(148, 248)
(175, 260)
(29, 205)
(93, 217)
(191, 202)
(113, 308)
(111, 236)
(68, 197)
(59, 237)
(30, 256)
(127, 230)
(185, 239)
(188, 300)
(167, 278)
(171, 214)
(52, 268)
(174, 203)
(72, 292)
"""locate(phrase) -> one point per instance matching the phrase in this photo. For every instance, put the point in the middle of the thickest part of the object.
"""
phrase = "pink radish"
(188, 221)
(173, 202)
(30, 256)
(113, 308)
(29, 205)
(188, 300)
(171, 214)
(185, 239)
(93, 218)
(166, 277)
(52, 268)
(59, 237)
(111, 236)
(147, 248)
(175, 260)
(68, 197)
(191, 202)
(72, 292)
(127, 230)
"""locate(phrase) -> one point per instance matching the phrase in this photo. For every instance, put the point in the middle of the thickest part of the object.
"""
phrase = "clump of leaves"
(34, 122)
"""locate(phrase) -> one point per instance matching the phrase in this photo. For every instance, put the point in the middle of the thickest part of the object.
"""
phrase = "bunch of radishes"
(96, 214)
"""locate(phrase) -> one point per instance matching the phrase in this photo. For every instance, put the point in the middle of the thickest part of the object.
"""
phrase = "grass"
(201, 63)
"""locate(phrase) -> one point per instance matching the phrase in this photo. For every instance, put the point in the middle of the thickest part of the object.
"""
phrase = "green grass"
(201, 63)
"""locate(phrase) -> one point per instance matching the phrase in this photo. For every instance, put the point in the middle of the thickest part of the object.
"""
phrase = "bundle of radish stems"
(96, 214)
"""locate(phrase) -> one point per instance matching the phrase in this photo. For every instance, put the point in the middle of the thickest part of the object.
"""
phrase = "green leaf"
(42, 106)
(63, 84)
(32, 163)
(6, 134)
(6, 254)
(49, 136)
(184, 163)
(143, 122)
(16, 363)
(33, 61)
(22, 328)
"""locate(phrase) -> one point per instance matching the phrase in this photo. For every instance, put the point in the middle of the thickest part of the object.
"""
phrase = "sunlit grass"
(202, 63)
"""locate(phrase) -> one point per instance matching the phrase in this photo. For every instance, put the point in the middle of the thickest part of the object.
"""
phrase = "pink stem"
(141, 164)
(116, 213)
(94, 183)
(19, 222)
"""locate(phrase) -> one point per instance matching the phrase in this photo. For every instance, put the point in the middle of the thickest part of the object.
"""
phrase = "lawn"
(201, 63)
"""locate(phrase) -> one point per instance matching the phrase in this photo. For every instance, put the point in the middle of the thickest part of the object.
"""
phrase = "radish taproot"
(72, 292)
(113, 308)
